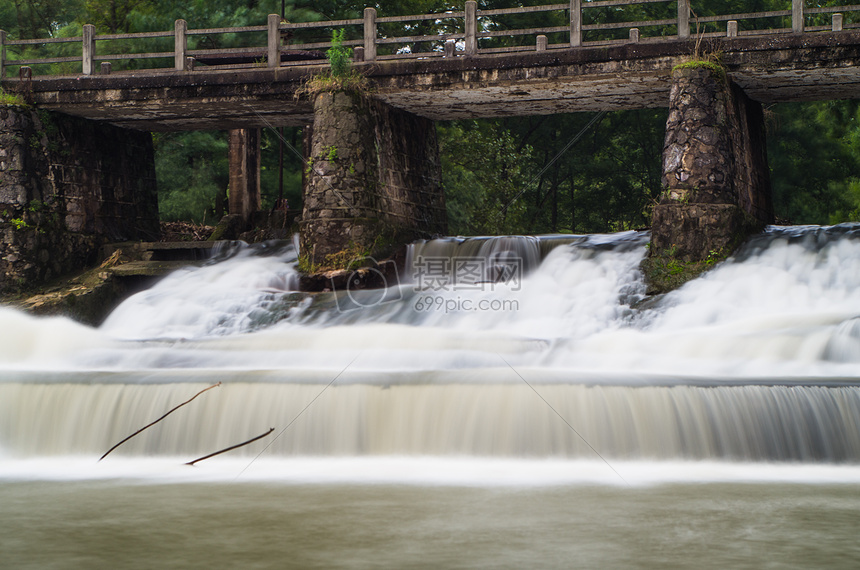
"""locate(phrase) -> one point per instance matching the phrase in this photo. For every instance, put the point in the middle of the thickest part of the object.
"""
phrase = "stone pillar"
(373, 180)
(715, 175)
(67, 186)
(244, 161)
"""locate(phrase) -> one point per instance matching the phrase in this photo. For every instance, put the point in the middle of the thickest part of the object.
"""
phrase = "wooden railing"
(462, 34)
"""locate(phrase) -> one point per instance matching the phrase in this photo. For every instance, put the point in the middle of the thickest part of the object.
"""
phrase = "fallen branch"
(158, 420)
(231, 447)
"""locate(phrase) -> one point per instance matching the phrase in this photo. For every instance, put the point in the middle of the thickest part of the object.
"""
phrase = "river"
(507, 402)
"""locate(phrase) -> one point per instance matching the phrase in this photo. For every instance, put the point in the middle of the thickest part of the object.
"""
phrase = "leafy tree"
(484, 170)
(192, 174)
(814, 155)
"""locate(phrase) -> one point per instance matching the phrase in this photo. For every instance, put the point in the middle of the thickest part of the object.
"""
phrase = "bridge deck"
(635, 75)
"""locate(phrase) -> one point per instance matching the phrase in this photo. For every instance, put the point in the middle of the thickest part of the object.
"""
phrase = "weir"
(723, 369)
(729, 407)
(748, 423)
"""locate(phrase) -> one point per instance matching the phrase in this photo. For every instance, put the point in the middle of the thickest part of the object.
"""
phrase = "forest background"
(575, 173)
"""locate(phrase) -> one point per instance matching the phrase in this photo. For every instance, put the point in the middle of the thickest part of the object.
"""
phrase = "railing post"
(180, 44)
(369, 34)
(450, 47)
(683, 19)
(2, 54)
(634, 35)
(575, 23)
(732, 29)
(471, 27)
(273, 57)
(836, 24)
(797, 16)
(541, 43)
(89, 49)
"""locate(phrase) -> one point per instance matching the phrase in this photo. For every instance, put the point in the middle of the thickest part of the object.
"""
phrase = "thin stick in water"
(159, 419)
(232, 447)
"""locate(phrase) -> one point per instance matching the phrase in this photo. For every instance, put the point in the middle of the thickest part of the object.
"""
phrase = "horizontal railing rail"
(469, 32)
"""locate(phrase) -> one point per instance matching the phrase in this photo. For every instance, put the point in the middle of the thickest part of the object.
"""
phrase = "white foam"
(423, 471)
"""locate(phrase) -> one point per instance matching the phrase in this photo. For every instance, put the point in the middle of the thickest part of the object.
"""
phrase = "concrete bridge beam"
(716, 184)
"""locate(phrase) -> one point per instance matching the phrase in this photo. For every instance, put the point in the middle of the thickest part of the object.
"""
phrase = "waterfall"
(751, 423)
(546, 347)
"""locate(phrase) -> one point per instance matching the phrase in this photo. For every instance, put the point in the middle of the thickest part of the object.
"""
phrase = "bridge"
(390, 183)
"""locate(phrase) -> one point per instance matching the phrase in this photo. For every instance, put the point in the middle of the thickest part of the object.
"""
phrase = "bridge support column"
(67, 186)
(373, 181)
(715, 174)
(244, 163)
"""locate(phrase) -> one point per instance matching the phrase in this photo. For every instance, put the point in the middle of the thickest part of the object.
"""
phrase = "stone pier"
(716, 185)
(67, 186)
(374, 178)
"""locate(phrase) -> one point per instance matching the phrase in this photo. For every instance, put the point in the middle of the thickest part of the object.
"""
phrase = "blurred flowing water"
(520, 377)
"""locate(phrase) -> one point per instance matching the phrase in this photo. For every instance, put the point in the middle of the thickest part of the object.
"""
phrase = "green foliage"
(20, 224)
(814, 155)
(607, 181)
(711, 65)
(340, 75)
(36, 206)
(351, 257)
(306, 265)
(664, 273)
(483, 172)
(192, 174)
(339, 56)
(11, 99)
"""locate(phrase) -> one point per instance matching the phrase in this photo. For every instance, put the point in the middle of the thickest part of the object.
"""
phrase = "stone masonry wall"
(374, 178)
(715, 173)
(67, 186)
(410, 171)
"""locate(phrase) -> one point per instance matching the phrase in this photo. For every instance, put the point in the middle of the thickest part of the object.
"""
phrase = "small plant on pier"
(711, 60)
(339, 56)
(340, 76)
(13, 99)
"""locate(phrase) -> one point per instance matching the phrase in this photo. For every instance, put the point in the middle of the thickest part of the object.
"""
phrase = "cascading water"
(507, 348)
(509, 403)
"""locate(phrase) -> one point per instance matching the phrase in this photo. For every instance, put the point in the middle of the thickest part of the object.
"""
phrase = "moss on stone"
(11, 99)
(712, 65)
(664, 273)
(325, 82)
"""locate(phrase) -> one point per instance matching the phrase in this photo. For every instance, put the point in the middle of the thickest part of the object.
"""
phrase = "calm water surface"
(122, 525)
